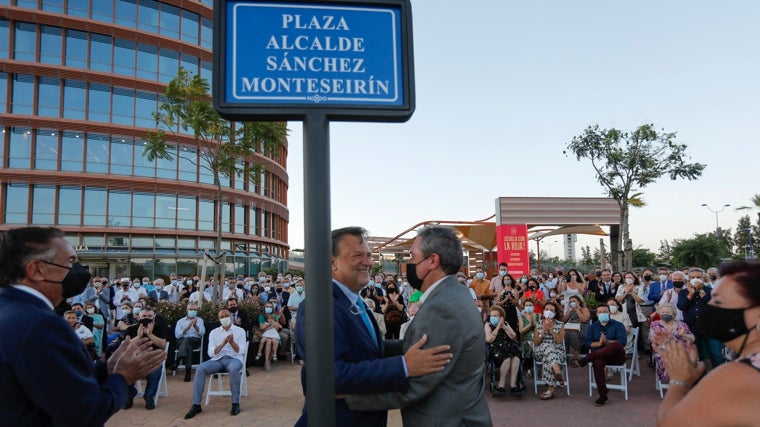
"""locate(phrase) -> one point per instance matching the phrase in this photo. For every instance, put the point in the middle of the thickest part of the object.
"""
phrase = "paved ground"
(275, 399)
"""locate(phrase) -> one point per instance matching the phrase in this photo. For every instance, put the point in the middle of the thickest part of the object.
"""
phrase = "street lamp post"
(717, 227)
(751, 254)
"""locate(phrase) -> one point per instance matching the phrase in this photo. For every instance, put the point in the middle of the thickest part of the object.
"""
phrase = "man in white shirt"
(294, 301)
(189, 332)
(226, 346)
(232, 291)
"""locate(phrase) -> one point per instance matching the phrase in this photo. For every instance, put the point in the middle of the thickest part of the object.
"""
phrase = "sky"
(503, 86)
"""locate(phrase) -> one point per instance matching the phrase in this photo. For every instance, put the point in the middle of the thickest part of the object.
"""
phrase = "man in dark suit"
(361, 362)
(455, 395)
(48, 377)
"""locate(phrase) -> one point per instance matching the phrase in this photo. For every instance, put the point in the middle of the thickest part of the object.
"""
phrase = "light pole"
(751, 255)
(717, 227)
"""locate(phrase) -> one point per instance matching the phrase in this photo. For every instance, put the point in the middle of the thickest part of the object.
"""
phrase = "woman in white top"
(573, 286)
(617, 313)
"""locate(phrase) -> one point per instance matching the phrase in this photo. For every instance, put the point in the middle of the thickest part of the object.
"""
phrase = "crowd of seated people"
(542, 315)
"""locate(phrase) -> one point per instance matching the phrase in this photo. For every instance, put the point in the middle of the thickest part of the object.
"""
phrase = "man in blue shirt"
(606, 339)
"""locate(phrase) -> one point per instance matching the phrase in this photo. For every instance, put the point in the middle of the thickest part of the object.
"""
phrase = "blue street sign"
(351, 60)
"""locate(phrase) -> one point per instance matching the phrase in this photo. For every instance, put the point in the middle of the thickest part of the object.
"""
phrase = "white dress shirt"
(218, 335)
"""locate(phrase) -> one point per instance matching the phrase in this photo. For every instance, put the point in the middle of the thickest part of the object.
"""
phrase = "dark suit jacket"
(360, 366)
(456, 395)
(47, 376)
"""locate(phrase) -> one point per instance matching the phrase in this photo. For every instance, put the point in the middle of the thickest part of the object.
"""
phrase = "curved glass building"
(79, 81)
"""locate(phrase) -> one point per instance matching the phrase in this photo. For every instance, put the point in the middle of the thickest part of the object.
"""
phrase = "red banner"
(512, 247)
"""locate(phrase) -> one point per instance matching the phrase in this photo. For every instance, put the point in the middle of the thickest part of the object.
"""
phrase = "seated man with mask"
(606, 339)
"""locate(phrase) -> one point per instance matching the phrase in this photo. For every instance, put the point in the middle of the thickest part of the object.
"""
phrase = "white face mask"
(226, 321)
(90, 310)
(694, 281)
(663, 277)
(613, 309)
(549, 314)
(629, 281)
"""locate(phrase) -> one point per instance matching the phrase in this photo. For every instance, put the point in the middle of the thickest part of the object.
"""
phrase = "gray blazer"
(456, 395)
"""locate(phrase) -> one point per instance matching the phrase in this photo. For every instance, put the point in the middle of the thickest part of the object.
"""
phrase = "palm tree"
(755, 201)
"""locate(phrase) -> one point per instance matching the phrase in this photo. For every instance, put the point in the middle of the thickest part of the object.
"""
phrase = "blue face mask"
(604, 317)
(149, 288)
(494, 320)
(371, 283)
(502, 273)
(192, 313)
(268, 310)
(479, 276)
(299, 289)
(529, 309)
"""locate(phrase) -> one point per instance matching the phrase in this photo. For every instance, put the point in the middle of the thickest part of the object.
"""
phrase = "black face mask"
(678, 285)
(392, 291)
(233, 309)
(146, 322)
(411, 276)
(722, 324)
(648, 277)
(75, 281)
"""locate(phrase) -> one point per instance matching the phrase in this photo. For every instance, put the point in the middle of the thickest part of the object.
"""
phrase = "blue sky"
(502, 87)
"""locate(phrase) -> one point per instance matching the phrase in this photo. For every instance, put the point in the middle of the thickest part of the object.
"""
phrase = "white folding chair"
(220, 390)
(163, 385)
(617, 369)
(537, 381)
(634, 369)
(198, 350)
(661, 387)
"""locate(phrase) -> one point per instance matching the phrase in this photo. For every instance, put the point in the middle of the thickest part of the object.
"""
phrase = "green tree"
(586, 256)
(664, 254)
(626, 162)
(643, 257)
(225, 149)
(745, 233)
(702, 250)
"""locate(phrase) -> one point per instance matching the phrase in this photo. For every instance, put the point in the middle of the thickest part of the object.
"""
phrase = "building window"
(101, 52)
(43, 204)
(142, 209)
(99, 104)
(124, 57)
(166, 211)
(52, 5)
(188, 164)
(169, 21)
(51, 45)
(123, 106)
(74, 96)
(186, 213)
(167, 168)
(25, 42)
(168, 65)
(102, 10)
(126, 13)
(46, 150)
(69, 206)
(17, 203)
(207, 33)
(206, 217)
(143, 166)
(240, 219)
(4, 38)
(72, 151)
(147, 16)
(20, 149)
(119, 208)
(190, 25)
(78, 8)
(3, 92)
(147, 61)
(145, 105)
(49, 97)
(76, 49)
(121, 155)
(23, 94)
(94, 206)
(97, 153)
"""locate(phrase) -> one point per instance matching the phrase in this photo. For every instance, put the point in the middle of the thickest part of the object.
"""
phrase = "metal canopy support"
(320, 378)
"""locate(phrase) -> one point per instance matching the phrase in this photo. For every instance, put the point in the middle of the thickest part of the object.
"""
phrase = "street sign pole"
(316, 61)
(319, 338)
